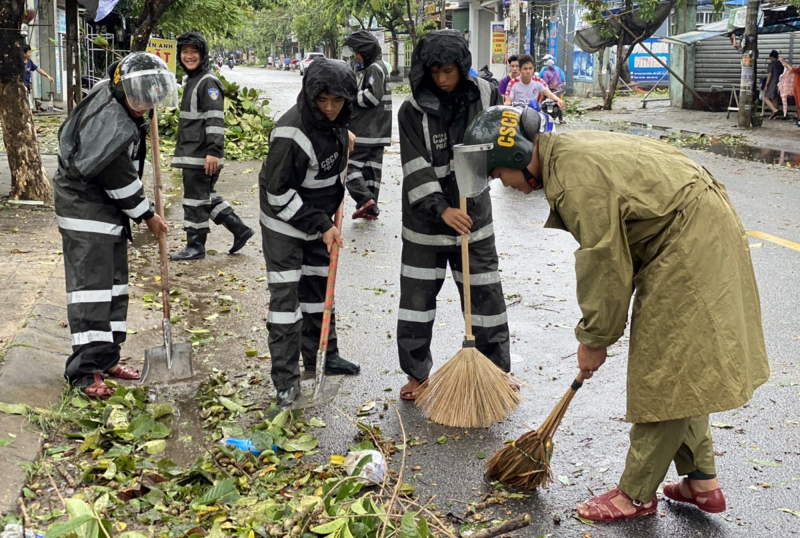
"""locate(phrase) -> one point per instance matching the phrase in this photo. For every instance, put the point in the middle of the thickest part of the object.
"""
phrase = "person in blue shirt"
(544, 67)
(31, 68)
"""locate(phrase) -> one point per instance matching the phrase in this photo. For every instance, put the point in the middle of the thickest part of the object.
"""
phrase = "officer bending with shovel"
(654, 226)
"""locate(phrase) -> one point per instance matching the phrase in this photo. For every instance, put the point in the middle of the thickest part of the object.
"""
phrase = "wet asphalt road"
(538, 281)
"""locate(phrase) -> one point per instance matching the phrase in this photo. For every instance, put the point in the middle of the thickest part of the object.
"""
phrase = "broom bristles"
(469, 391)
(525, 463)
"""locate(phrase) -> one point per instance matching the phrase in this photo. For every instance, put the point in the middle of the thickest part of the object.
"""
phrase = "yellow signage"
(166, 49)
(498, 42)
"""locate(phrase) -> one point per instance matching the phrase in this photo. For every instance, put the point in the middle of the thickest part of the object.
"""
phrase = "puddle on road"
(735, 151)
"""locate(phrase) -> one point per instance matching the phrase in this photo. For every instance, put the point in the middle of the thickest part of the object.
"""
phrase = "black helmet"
(145, 81)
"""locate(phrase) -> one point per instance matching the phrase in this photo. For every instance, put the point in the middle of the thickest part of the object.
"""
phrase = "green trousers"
(654, 445)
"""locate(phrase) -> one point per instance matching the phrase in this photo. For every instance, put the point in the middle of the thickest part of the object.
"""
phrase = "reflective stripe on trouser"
(655, 445)
(364, 173)
(297, 274)
(97, 305)
(201, 204)
(422, 274)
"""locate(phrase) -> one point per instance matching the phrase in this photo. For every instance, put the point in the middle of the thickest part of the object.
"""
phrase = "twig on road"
(518, 522)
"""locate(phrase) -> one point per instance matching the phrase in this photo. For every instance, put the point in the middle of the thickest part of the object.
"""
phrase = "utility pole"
(749, 49)
(74, 94)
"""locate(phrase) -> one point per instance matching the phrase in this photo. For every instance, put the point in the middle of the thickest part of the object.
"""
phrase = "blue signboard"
(645, 68)
(582, 66)
(552, 41)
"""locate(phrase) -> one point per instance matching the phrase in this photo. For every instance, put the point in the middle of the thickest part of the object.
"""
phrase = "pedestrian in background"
(786, 89)
(771, 93)
(301, 185)
(371, 122)
(98, 190)
(513, 66)
(796, 85)
(199, 153)
(545, 59)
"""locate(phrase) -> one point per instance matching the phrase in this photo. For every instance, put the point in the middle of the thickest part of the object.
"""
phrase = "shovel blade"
(319, 380)
(156, 370)
(316, 398)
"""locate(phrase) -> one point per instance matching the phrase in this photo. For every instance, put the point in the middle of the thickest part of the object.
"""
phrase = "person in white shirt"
(527, 89)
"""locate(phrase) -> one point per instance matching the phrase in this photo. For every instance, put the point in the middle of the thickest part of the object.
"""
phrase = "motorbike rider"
(371, 122)
(640, 211)
(301, 185)
(97, 190)
(432, 120)
(199, 153)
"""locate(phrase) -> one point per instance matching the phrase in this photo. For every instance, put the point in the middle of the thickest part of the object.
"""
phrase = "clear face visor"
(150, 88)
(348, 52)
(471, 164)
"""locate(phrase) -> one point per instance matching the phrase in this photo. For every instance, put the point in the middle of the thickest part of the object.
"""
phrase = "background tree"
(28, 179)
(320, 23)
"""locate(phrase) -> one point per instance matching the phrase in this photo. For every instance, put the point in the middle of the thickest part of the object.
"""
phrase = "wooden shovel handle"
(159, 196)
(465, 273)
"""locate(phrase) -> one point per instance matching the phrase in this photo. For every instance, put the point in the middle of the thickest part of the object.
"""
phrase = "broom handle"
(465, 273)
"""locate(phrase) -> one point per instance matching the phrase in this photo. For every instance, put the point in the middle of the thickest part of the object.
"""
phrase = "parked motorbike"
(487, 75)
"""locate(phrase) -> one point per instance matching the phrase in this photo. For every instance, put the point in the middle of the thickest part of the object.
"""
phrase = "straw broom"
(469, 391)
(525, 463)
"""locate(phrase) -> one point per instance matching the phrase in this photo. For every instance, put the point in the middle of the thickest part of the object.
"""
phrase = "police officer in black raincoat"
(200, 151)
(98, 189)
(371, 123)
(432, 120)
(301, 185)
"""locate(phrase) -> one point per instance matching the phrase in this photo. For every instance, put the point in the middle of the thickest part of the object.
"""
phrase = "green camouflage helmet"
(504, 127)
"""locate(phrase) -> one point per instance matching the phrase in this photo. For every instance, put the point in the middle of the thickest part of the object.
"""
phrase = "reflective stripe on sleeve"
(291, 209)
(125, 192)
(415, 165)
(92, 226)
(211, 114)
(415, 316)
(363, 140)
(283, 228)
(299, 137)
(418, 193)
(197, 161)
(280, 199)
(119, 326)
(139, 210)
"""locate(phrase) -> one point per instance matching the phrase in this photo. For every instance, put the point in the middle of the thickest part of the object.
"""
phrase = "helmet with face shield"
(145, 81)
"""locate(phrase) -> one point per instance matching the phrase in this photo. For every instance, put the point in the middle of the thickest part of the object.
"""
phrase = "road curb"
(32, 374)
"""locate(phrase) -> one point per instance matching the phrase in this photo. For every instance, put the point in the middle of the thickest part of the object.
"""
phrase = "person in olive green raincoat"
(654, 226)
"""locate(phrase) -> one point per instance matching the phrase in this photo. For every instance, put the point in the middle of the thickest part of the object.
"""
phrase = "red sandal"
(712, 501)
(364, 212)
(410, 390)
(601, 508)
(118, 371)
(98, 390)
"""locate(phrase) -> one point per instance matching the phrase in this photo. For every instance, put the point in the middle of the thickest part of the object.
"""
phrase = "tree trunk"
(396, 51)
(749, 59)
(601, 60)
(411, 24)
(443, 15)
(28, 179)
(612, 86)
(152, 12)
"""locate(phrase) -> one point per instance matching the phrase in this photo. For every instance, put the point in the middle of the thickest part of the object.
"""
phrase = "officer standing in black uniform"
(301, 187)
(98, 188)
(199, 152)
(433, 119)
(371, 123)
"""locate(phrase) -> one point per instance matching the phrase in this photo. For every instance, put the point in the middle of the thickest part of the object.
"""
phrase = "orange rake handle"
(329, 289)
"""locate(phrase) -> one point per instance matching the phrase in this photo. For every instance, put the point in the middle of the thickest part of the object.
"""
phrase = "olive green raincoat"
(650, 220)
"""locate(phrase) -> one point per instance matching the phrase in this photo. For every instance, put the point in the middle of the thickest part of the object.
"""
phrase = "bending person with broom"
(445, 97)
(642, 213)
(301, 185)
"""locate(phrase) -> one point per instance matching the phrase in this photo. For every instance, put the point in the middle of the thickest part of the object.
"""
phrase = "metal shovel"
(170, 362)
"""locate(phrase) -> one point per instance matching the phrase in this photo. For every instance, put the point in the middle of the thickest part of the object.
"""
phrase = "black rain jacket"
(431, 123)
(372, 115)
(201, 130)
(98, 187)
(301, 181)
